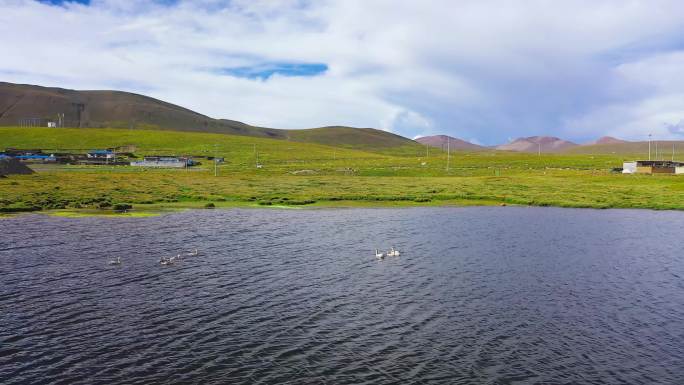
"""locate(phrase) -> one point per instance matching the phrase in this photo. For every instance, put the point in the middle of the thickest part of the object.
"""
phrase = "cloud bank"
(483, 70)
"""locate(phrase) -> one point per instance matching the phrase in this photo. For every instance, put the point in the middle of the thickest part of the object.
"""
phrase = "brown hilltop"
(532, 144)
(607, 140)
(440, 141)
(116, 109)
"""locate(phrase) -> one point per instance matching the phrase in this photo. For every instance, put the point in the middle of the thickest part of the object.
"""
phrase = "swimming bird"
(192, 253)
(378, 254)
(116, 261)
(166, 261)
(393, 252)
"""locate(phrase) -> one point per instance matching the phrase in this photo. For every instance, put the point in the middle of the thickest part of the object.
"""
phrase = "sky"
(486, 71)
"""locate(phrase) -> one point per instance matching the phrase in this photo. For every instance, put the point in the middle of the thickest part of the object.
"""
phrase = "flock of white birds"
(164, 261)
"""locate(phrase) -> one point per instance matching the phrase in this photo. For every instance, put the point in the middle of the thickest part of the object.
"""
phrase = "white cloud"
(653, 104)
(476, 69)
(475, 141)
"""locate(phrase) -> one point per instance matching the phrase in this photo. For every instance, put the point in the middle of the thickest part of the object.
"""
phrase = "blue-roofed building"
(45, 158)
(101, 154)
(33, 158)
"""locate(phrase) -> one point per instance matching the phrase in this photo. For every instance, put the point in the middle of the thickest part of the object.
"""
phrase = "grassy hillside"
(635, 150)
(109, 109)
(236, 148)
(297, 173)
(360, 138)
(116, 109)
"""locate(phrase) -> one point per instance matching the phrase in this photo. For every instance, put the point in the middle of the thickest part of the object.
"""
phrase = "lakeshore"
(164, 190)
(294, 174)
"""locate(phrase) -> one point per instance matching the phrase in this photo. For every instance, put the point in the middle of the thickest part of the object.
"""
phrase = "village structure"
(164, 161)
(653, 167)
(120, 156)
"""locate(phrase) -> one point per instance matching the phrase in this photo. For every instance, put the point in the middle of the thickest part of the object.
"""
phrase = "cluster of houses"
(97, 157)
(28, 156)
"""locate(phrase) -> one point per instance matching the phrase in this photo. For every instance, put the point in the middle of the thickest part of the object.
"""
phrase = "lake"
(480, 295)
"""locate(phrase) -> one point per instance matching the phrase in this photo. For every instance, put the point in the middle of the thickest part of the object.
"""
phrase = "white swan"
(393, 252)
(116, 261)
(192, 253)
(379, 254)
(166, 261)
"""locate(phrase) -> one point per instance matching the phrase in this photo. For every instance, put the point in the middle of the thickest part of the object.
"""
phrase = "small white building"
(164, 161)
(629, 167)
(52, 125)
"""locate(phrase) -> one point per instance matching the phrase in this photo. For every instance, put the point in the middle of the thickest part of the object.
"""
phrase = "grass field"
(297, 174)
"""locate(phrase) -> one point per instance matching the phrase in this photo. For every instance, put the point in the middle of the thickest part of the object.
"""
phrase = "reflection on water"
(479, 295)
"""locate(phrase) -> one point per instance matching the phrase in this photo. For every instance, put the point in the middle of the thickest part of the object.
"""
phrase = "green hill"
(22, 104)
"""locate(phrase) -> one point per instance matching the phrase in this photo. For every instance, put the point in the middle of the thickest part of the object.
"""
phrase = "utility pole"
(79, 107)
(649, 146)
(673, 144)
(448, 152)
(215, 160)
(656, 150)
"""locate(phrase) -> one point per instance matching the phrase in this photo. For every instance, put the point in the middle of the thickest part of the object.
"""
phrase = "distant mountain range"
(546, 144)
(552, 144)
(441, 141)
(22, 104)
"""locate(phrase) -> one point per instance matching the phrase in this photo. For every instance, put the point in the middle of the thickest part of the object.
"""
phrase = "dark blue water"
(478, 296)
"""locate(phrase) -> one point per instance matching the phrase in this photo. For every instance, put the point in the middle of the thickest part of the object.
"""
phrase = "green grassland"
(301, 174)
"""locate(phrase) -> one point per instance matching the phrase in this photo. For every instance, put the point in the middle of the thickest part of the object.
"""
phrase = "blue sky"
(482, 70)
(264, 71)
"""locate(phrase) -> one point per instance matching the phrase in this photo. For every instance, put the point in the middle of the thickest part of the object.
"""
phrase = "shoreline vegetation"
(152, 210)
(307, 175)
